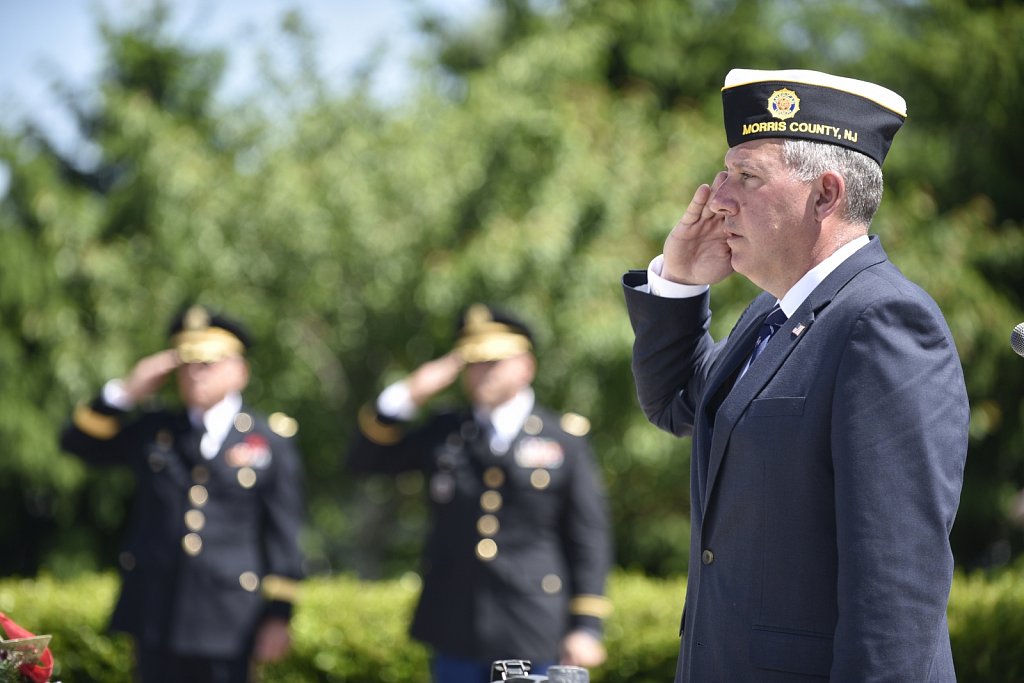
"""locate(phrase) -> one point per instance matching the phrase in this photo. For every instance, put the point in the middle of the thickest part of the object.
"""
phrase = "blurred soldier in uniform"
(211, 563)
(519, 546)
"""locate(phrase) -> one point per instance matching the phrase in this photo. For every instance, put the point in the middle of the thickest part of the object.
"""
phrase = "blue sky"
(42, 40)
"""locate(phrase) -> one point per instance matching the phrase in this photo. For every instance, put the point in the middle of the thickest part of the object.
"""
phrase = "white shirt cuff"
(396, 402)
(115, 396)
(659, 286)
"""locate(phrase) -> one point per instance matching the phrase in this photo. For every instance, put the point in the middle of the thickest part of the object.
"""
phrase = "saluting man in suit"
(830, 427)
(519, 547)
(211, 564)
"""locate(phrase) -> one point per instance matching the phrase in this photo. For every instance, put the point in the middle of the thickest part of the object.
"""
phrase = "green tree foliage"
(546, 151)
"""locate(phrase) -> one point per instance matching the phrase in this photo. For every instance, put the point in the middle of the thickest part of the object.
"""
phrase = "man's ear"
(830, 188)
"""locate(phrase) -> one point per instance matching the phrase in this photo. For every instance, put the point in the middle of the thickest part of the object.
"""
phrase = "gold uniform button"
(243, 422)
(247, 477)
(494, 477)
(490, 501)
(192, 544)
(249, 581)
(487, 525)
(551, 584)
(201, 474)
(195, 520)
(487, 550)
(198, 495)
(540, 479)
(533, 425)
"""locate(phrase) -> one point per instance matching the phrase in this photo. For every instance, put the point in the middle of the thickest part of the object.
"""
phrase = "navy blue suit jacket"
(824, 481)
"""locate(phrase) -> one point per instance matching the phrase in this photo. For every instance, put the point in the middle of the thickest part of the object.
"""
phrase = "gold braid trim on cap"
(207, 345)
(95, 424)
(591, 606)
(375, 431)
(280, 588)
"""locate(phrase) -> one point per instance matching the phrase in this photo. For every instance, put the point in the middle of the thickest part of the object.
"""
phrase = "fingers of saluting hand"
(699, 208)
(150, 372)
(696, 251)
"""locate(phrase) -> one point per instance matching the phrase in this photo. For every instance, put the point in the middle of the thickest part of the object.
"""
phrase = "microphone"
(1017, 339)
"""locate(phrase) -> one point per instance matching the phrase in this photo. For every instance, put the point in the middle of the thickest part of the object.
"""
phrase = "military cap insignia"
(254, 452)
(535, 452)
(196, 318)
(783, 104)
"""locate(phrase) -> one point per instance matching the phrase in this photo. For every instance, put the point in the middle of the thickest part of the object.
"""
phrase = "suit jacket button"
(707, 557)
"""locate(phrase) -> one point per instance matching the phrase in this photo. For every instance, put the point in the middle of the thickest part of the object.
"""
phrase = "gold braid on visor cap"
(208, 345)
(489, 341)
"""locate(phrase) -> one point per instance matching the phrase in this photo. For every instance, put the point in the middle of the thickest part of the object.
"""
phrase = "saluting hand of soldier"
(696, 251)
(434, 376)
(150, 373)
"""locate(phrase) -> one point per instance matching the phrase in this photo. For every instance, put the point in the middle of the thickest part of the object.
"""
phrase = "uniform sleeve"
(382, 445)
(899, 446)
(588, 546)
(672, 352)
(284, 512)
(99, 434)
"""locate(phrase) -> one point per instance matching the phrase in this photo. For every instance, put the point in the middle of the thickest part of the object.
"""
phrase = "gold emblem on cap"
(783, 104)
(196, 318)
(478, 314)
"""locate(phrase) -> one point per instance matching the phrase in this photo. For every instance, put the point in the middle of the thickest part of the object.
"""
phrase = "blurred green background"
(546, 148)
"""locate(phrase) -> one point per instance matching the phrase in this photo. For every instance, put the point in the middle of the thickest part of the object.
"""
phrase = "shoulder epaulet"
(575, 424)
(379, 432)
(283, 425)
(94, 423)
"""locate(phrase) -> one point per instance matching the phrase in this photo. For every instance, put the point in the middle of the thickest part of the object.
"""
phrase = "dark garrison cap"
(811, 105)
(203, 336)
(485, 334)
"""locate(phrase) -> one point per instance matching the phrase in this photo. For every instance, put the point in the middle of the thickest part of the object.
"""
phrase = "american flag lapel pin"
(798, 330)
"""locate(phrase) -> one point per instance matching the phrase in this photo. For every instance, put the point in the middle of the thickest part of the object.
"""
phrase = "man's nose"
(721, 201)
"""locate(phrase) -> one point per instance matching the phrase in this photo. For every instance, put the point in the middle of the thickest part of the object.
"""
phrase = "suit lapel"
(795, 330)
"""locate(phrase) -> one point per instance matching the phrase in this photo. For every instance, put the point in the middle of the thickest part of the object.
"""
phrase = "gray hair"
(808, 160)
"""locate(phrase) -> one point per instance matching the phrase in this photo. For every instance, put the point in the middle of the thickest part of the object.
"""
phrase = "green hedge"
(354, 631)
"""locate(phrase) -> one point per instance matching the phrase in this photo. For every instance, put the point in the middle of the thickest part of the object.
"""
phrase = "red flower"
(37, 673)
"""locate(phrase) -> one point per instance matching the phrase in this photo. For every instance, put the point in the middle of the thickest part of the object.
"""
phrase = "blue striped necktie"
(775, 319)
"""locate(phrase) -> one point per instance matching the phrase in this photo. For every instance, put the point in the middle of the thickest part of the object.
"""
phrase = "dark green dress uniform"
(519, 546)
(212, 546)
